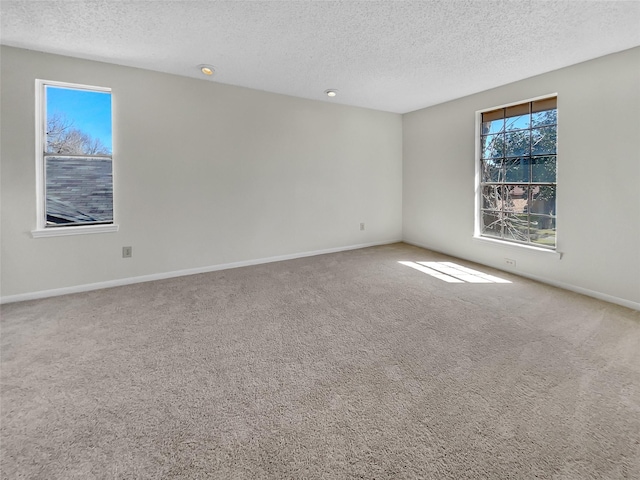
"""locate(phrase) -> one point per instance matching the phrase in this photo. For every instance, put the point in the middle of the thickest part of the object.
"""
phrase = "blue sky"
(88, 110)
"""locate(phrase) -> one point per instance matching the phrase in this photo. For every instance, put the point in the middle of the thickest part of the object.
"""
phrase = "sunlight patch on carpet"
(453, 273)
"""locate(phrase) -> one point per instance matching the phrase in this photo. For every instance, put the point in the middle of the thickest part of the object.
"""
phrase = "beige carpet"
(349, 365)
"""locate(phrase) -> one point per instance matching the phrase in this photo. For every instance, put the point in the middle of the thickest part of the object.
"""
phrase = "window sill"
(80, 230)
(530, 248)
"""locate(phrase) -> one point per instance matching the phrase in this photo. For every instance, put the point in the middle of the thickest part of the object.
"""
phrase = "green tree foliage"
(518, 154)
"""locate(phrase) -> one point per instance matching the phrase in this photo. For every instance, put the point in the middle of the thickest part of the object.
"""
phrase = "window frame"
(42, 229)
(477, 231)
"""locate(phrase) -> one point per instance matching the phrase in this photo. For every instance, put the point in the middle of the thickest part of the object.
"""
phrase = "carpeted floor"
(345, 366)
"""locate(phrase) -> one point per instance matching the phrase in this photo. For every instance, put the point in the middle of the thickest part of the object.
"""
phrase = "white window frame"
(477, 229)
(42, 230)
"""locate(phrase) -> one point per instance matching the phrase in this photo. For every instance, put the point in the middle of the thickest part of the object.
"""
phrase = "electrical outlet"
(362, 226)
(126, 252)
(510, 263)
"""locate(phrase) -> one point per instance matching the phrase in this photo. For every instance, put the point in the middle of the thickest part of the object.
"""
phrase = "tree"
(518, 167)
(64, 139)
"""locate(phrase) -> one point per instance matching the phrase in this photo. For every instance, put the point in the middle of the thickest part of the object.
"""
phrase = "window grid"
(518, 173)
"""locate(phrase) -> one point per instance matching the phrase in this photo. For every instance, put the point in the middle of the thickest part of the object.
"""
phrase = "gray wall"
(205, 174)
(598, 178)
(209, 174)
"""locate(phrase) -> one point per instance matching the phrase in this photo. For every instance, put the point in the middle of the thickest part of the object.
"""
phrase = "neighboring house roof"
(79, 190)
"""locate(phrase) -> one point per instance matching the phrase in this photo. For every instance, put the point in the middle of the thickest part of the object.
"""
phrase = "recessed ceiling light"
(332, 92)
(206, 69)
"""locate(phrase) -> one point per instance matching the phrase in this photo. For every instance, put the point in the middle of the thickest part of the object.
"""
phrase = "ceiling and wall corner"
(391, 56)
(263, 192)
(205, 175)
(598, 177)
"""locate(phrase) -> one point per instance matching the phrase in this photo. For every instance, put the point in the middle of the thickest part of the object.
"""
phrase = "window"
(517, 173)
(74, 159)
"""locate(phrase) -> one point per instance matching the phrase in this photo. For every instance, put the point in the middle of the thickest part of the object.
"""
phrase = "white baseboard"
(178, 273)
(566, 286)
(245, 263)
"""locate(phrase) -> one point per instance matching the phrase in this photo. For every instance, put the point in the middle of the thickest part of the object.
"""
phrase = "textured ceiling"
(395, 56)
